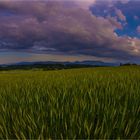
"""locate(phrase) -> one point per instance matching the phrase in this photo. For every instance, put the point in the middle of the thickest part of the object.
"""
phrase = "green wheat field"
(82, 103)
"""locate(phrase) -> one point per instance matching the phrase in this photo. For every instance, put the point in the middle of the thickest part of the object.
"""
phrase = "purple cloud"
(62, 28)
(120, 15)
(138, 29)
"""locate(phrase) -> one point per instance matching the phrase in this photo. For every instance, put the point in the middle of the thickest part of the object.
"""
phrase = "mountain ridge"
(86, 62)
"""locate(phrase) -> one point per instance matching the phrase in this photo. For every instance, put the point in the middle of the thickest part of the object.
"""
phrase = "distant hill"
(92, 63)
(50, 65)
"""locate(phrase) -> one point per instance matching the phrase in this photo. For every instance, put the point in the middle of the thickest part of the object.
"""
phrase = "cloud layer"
(64, 27)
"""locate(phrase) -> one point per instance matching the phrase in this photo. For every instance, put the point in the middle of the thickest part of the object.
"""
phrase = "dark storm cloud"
(58, 27)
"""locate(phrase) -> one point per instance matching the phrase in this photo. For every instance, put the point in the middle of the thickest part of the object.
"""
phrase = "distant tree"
(128, 64)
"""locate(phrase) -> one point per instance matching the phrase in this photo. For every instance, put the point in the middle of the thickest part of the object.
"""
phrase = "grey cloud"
(53, 27)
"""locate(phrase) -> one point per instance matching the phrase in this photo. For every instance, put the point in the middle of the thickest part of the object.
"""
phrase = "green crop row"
(97, 103)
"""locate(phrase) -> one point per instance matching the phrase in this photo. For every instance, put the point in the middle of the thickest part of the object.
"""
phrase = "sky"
(69, 30)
